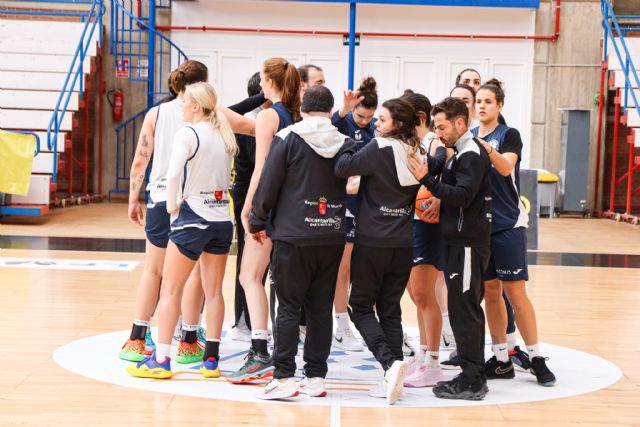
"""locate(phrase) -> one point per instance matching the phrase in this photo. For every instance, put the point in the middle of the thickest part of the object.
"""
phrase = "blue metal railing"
(74, 76)
(609, 24)
(151, 56)
(26, 132)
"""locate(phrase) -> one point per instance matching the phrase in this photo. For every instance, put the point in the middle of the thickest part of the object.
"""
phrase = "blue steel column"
(352, 43)
(151, 53)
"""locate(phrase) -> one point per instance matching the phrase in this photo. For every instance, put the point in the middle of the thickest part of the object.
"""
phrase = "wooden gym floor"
(587, 308)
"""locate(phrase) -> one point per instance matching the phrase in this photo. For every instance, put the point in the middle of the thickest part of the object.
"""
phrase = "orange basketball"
(422, 205)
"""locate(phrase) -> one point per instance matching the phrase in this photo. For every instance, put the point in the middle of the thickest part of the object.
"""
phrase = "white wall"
(428, 66)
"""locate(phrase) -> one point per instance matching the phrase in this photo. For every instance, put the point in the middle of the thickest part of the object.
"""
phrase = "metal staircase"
(150, 56)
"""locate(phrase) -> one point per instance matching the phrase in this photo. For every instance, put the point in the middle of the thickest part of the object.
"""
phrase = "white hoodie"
(318, 133)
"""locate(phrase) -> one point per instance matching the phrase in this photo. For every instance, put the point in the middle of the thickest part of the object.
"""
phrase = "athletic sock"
(534, 351)
(212, 349)
(259, 339)
(500, 350)
(421, 353)
(511, 341)
(139, 329)
(189, 333)
(162, 352)
(446, 324)
(342, 320)
(433, 359)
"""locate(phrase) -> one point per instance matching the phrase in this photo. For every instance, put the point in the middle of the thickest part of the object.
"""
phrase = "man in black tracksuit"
(306, 201)
(465, 219)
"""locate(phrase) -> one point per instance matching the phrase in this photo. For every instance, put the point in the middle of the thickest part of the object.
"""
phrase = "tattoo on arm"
(145, 141)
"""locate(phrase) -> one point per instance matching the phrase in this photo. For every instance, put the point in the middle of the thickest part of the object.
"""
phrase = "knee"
(492, 293)
(170, 293)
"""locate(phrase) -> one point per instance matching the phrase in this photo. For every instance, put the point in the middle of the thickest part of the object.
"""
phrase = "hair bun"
(408, 92)
(368, 85)
(494, 82)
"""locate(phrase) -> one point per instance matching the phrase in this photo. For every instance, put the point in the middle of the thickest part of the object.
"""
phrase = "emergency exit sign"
(345, 40)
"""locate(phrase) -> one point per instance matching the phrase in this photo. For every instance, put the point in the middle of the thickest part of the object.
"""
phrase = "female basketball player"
(382, 253)
(508, 263)
(468, 95)
(280, 83)
(428, 260)
(158, 129)
(355, 119)
(201, 226)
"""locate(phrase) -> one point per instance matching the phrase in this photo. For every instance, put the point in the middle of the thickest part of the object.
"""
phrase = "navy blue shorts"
(193, 235)
(157, 225)
(428, 245)
(350, 224)
(508, 260)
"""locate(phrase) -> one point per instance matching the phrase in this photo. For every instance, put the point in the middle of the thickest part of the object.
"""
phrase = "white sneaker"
(344, 339)
(395, 378)
(313, 387)
(379, 390)
(177, 332)
(240, 333)
(407, 346)
(280, 389)
(447, 341)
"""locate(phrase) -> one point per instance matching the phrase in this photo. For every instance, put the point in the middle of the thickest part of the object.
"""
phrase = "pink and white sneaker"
(414, 365)
(424, 377)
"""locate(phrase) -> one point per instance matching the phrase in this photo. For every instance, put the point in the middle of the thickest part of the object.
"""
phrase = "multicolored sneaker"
(520, 358)
(149, 345)
(209, 368)
(150, 368)
(255, 367)
(202, 335)
(189, 353)
(132, 350)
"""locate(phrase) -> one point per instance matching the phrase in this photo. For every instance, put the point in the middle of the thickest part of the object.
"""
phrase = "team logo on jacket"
(217, 193)
(322, 206)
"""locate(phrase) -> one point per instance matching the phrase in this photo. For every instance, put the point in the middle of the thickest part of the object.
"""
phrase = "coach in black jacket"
(306, 202)
(465, 219)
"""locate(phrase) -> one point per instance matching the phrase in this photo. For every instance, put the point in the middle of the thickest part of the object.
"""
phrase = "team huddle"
(341, 210)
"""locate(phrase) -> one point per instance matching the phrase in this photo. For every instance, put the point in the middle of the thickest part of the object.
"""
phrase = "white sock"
(446, 325)
(200, 320)
(421, 353)
(187, 327)
(433, 359)
(142, 323)
(260, 334)
(343, 321)
(511, 341)
(534, 351)
(500, 350)
(162, 352)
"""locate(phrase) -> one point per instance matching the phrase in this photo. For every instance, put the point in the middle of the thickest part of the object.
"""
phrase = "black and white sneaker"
(408, 349)
(539, 368)
(520, 359)
(452, 363)
(495, 369)
(460, 388)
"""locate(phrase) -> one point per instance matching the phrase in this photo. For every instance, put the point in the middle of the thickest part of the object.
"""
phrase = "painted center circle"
(350, 375)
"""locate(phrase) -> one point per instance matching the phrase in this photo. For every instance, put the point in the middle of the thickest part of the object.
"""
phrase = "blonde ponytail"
(219, 121)
(205, 95)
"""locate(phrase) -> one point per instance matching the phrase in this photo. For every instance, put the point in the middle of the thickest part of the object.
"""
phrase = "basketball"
(422, 204)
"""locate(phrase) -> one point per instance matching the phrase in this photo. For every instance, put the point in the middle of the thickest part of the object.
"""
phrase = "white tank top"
(206, 171)
(168, 123)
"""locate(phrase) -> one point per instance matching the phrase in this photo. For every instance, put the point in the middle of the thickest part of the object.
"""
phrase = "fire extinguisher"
(116, 104)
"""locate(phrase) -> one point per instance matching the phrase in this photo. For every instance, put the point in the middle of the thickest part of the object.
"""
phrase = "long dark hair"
(420, 104)
(405, 121)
